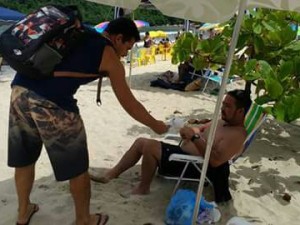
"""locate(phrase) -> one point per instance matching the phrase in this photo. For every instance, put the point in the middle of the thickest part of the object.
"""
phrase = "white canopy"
(209, 11)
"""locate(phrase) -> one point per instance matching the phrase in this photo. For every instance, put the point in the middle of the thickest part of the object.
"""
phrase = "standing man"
(46, 112)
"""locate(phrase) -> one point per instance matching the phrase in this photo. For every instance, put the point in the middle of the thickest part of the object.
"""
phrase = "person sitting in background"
(229, 138)
(147, 40)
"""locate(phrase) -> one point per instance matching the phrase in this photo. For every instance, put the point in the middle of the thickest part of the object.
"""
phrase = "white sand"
(257, 192)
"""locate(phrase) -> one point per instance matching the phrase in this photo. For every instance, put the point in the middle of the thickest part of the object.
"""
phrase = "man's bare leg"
(151, 157)
(24, 178)
(80, 188)
(129, 159)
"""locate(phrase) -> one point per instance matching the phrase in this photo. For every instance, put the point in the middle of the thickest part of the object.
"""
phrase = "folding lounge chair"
(253, 121)
(209, 75)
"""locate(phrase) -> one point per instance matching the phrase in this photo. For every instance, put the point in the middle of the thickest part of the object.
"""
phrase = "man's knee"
(147, 146)
(139, 144)
(152, 148)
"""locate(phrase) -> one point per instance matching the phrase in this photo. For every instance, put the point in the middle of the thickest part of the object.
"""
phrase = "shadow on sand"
(277, 142)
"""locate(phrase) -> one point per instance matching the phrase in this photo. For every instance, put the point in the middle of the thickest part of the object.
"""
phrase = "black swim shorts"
(174, 168)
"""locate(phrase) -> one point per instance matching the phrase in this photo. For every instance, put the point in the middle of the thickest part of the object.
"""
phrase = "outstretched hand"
(160, 127)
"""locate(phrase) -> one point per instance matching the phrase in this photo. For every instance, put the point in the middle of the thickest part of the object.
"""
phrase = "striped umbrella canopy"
(102, 26)
(208, 26)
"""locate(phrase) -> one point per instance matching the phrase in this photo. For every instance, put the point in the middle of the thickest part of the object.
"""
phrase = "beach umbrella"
(139, 23)
(210, 11)
(101, 26)
(158, 34)
(208, 26)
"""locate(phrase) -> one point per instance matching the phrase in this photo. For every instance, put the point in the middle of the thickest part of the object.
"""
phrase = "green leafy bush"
(267, 55)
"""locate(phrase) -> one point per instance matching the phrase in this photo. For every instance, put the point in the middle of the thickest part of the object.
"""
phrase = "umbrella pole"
(130, 58)
(130, 68)
(237, 27)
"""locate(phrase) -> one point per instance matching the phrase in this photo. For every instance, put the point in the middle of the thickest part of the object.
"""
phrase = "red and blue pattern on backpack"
(37, 43)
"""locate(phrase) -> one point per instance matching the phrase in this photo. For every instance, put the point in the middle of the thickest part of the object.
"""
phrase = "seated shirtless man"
(229, 138)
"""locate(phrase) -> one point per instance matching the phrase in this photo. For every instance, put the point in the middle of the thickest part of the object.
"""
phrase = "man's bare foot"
(138, 190)
(101, 176)
(103, 180)
(31, 210)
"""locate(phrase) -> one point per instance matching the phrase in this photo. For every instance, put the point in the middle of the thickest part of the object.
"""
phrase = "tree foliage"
(92, 13)
(267, 54)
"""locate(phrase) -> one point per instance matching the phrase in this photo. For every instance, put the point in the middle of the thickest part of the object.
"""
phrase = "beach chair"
(150, 56)
(169, 51)
(163, 51)
(209, 75)
(253, 121)
(141, 58)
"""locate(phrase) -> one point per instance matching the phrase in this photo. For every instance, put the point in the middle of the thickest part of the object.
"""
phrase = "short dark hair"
(242, 99)
(124, 26)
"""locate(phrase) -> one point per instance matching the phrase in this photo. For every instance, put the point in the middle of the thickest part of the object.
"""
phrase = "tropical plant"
(267, 55)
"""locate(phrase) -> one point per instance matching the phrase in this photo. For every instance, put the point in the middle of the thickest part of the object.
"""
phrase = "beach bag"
(37, 43)
(181, 207)
(193, 86)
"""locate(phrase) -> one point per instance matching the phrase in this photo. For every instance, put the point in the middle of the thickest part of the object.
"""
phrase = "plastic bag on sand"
(181, 207)
(238, 221)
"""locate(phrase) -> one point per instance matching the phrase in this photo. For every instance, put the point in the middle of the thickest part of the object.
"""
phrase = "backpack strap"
(102, 74)
(98, 96)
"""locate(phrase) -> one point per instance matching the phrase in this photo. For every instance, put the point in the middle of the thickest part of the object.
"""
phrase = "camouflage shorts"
(34, 121)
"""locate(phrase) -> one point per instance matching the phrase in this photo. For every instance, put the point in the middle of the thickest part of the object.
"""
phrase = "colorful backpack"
(37, 43)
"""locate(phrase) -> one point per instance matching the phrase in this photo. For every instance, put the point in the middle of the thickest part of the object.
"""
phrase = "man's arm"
(111, 64)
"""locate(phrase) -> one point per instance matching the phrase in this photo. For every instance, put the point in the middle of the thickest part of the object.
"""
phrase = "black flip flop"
(35, 209)
(102, 219)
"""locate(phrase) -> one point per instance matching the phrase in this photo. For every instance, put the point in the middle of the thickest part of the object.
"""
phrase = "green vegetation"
(92, 13)
(267, 55)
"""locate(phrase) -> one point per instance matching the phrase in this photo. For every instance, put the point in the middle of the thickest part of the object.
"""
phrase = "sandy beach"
(258, 181)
